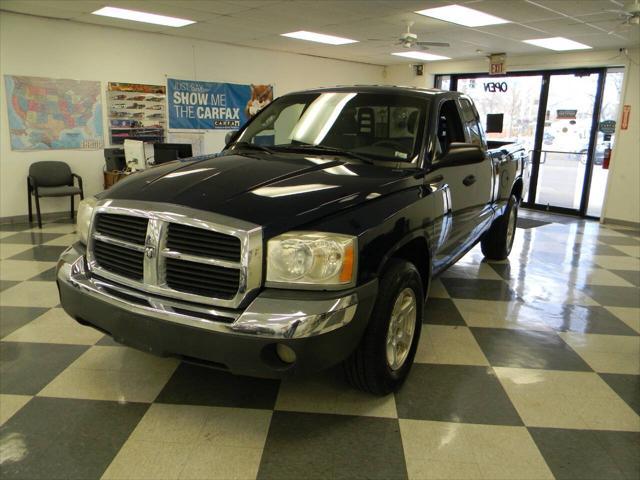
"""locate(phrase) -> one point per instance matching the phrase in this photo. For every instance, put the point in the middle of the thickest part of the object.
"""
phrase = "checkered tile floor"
(526, 369)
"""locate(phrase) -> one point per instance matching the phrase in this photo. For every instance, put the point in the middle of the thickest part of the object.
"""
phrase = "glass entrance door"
(516, 98)
(564, 155)
(558, 117)
(605, 139)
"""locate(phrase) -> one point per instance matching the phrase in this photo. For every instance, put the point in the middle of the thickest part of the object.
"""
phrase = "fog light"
(286, 354)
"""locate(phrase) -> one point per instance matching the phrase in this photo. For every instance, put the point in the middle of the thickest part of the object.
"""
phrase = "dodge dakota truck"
(309, 241)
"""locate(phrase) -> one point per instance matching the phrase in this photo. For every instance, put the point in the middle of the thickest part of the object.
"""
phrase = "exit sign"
(497, 64)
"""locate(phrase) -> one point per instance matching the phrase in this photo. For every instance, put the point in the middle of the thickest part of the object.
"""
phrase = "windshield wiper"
(250, 146)
(325, 149)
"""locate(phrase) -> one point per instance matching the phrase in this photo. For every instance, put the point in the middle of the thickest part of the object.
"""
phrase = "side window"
(472, 122)
(449, 127)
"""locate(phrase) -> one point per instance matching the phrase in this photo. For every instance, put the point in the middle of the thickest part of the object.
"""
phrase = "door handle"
(469, 180)
(436, 179)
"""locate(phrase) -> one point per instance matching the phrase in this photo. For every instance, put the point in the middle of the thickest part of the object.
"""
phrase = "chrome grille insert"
(187, 254)
(202, 279)
(130, 229)
(123, 261)
(204, 243)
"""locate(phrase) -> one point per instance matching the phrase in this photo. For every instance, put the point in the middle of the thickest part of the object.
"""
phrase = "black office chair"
(51, 179)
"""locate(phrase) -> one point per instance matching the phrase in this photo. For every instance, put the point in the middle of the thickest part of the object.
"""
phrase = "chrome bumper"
(268, 316)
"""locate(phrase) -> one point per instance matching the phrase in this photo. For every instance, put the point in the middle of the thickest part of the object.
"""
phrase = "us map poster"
(54, 114)
(195, 105)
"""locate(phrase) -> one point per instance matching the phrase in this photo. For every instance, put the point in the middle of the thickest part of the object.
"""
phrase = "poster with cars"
(196, 105)
(136, 111)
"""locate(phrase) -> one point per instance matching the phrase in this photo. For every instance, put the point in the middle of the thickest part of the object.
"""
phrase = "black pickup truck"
(310, 240)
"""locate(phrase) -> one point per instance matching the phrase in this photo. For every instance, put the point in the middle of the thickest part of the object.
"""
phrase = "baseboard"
(624, 223)
(45, 216)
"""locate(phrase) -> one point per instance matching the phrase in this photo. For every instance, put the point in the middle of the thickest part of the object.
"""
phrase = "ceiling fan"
(410, 40)
(629, 14)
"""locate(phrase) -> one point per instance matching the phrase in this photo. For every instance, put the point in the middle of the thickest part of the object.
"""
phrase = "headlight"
(311, 258)
(85, 211)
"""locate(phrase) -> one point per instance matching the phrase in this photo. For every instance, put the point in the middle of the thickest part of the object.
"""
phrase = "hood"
(271, 190)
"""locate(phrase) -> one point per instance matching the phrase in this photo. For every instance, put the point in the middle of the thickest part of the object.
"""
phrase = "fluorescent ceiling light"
(318, 37)
(557, 43)
(429, 57)
(462, 16)
(142, 17)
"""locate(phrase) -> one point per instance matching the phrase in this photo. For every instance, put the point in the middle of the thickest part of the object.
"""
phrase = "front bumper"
(322, 328)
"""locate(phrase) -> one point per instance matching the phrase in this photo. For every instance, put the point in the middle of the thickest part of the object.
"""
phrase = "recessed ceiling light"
(462, 16)
(429, 57)
(557, 43)
(144, 17)
(318, 37)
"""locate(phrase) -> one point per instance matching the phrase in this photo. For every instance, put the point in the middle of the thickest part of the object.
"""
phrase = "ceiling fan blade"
(433, 44)
(585, 22)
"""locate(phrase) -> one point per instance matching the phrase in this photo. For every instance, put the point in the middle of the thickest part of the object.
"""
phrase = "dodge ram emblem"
(149, 252)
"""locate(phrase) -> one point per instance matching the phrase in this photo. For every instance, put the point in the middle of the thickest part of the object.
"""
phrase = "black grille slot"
(120, 260)
(204, 243)
(202, 279)
(205, 316)
(123, 227)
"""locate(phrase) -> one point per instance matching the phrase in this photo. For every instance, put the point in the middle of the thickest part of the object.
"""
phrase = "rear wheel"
(384, 357)
(497, 241)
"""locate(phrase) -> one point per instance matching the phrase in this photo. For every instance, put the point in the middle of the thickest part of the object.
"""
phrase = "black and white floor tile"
(528, 368)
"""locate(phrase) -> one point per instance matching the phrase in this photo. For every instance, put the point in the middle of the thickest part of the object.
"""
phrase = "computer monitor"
(114, 159)
(134, 154)
(166, 152)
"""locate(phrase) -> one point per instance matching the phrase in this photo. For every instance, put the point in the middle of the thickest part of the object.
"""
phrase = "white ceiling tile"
(213, 6)
(513, 10)
(259, 23)
(512, 31)
(45, 9)
(566, 28)
(576, 7)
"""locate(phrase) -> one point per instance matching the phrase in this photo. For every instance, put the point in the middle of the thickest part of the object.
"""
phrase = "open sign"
(494, 87)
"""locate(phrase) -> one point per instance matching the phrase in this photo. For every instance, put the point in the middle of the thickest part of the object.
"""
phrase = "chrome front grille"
(176, 252)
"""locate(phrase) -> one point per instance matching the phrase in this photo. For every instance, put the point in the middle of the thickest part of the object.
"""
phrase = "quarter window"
(472, 121)
(449, 127)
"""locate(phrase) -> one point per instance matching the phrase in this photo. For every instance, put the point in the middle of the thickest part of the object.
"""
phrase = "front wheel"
(384, 357)
(496, 243)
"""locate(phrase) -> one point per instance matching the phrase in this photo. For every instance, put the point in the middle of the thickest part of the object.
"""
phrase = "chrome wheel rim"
(511, 227)
(402, 326)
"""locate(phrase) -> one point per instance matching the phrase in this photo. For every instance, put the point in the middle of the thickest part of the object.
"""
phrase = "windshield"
(361, 125)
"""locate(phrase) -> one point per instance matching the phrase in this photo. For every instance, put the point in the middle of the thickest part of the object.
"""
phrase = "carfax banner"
(214, 106)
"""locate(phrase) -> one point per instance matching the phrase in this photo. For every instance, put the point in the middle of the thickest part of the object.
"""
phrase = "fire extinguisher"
(606, 159)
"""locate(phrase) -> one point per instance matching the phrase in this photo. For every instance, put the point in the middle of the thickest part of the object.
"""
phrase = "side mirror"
(229, 137)
(462, 154)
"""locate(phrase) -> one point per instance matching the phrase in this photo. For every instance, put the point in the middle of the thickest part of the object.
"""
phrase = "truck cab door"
(469, 186)
(485, 192)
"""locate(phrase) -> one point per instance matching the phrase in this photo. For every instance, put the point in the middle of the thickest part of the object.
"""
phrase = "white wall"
(61, 49)
(622, 200)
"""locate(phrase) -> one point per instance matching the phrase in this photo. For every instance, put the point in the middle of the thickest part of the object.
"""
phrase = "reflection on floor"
(527, 368)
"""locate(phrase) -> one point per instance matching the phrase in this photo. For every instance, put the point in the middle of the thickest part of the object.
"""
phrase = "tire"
(369, 368)
(496, 243)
